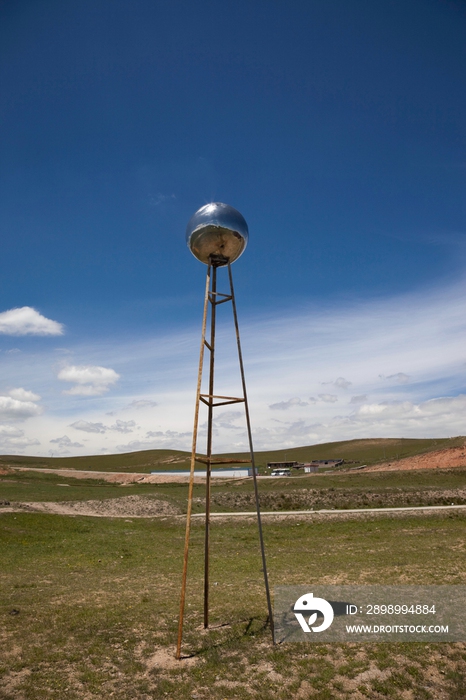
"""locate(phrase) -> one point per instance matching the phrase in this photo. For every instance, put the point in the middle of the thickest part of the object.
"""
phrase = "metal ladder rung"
(207, 399)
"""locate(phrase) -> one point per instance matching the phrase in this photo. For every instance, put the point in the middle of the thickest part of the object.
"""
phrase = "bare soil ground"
(451, 457)
(124, 507)
(304, 499)
(111, 477)
(148, 507)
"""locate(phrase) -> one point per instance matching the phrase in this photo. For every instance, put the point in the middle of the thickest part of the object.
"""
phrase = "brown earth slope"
(440, 459)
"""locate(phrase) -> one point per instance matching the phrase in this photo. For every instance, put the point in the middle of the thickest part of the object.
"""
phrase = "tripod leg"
(191, 474)
(251, 449)
(213, 301)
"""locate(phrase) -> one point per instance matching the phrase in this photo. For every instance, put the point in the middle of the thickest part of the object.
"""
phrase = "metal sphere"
(217, 234)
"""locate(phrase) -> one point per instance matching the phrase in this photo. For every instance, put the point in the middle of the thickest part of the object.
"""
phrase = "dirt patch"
(164, 658)
(369, 675)
(124, 507)
(11, 682)
(115, 477)
(440, 459)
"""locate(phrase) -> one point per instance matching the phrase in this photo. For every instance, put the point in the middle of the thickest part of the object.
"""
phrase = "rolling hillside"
(357, 452)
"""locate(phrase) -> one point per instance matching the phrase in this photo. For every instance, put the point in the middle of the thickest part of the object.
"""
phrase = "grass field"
(89, 606)
(346, 490)
(89, 609)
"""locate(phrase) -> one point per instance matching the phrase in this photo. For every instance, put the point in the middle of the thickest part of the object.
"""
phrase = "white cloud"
(399, 377)
(361, 398)
(380, 337)
(160, 198)
(222, 421)
(439, 417)
(86, 390)
(9, 431)
(289, 434)
(142, 403)
(443, 416)
(14, 409)
(120, 426)
(285, 405)
(226, 419)
(123, 426)
(328, 398)
(447, 411)
(23, 395)
(28, 321)
(342, 383)
(88, 380)
(64, 442)
(13, 439)
(88, 427)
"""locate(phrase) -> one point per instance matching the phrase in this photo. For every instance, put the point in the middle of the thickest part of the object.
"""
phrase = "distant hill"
(369, 451)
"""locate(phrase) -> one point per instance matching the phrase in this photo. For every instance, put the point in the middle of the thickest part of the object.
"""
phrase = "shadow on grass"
(254, 626)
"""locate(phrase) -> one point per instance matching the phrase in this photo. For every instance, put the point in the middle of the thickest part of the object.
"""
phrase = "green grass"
(356, 451)
(339, 490)
(412, 479)
(88, 605)
(38, 486)
(142, 461)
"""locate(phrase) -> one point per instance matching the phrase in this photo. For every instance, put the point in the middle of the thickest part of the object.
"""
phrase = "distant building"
(327, 462)
(242, 473)
(308, 467)
(282, 465)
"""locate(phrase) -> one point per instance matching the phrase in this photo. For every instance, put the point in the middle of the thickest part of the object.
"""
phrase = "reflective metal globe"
(217, 234)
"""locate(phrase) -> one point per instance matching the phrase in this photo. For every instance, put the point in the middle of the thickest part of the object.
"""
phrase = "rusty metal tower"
(217, 235)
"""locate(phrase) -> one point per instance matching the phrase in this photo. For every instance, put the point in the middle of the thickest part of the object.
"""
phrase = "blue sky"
(336, 128)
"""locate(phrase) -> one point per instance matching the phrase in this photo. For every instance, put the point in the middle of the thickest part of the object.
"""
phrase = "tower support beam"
(212, 298)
